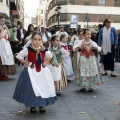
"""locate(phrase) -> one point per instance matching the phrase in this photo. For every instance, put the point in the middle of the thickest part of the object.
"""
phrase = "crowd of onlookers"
(19, 37)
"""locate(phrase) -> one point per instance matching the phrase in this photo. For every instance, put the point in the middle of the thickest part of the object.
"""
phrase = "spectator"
(29, 31)
(61, 31)
(119, 45)
(108, 39)
(93, 35)
(21, 32)
(99, 27)
(46, 36)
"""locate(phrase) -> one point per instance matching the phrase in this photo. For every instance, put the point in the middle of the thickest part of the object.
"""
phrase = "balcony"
(4, 10)
(13, 5)
(15, 13)
(7, 22)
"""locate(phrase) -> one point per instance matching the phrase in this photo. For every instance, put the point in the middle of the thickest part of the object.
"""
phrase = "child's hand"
(94, 48)
(44, 64)
(26, 64)
(58, 64)
(42, 49)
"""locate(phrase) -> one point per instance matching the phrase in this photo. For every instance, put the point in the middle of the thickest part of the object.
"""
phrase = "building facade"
(13, 11)
(89, 12)
(33, 21)
(5, 11)
(42, 13)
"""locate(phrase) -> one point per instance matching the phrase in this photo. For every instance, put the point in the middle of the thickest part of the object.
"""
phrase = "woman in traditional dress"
(67, 60)
(56, 66)
(35, 87)
(76, 54)
(7, 65)
(89, 69)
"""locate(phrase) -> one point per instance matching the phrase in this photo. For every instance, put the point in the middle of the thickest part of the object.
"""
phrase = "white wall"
(87, 9)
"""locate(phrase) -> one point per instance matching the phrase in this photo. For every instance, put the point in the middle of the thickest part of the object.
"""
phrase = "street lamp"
(87, 19)
(57, 12)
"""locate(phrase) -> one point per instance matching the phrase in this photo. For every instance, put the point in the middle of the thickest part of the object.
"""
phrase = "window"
(116, 19)
(7, 2)
(41, 11)
(117, 3)
(86, 2)
(63, 17)
(101, 18)
(102, 2)
(61, 2)
(71, 2)
(1, 0)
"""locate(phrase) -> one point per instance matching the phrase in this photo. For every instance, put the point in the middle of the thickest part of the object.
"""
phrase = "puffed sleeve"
(65, 53)
(48, 54)
(96, 46)
(76, 46)
(23, 53)
(27, 44)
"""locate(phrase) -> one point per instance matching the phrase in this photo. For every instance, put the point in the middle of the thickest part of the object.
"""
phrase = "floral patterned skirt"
(89, 72)
(75, 61)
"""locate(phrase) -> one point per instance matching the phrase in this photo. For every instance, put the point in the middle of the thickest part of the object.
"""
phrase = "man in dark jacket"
(20, 36)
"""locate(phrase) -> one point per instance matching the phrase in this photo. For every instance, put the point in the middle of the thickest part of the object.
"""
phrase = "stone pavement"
(102, 104)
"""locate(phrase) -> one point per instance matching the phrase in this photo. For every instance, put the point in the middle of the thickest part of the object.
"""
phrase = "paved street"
(102, 104)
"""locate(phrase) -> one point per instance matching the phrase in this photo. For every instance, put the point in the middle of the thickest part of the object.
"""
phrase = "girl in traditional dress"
(89, 70)
(67, 60)
(76, 54)
(7, 65)
(35, 87)
(56, 66)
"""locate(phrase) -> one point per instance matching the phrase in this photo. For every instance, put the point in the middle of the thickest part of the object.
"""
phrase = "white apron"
(6, 51)
(56, 72)
(42, 82)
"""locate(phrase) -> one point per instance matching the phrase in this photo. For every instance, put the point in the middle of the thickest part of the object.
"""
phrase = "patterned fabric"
(89, 79)
(75, 61)
(24, 93)
(57, 56)
(61, 84)
(7, 69)
(88, 70)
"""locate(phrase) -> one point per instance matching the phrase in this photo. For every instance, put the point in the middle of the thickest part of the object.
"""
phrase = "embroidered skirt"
(68, 68)
(7, 69)
(61, 82)
(24, 93)
(75, 61)
(89, 72)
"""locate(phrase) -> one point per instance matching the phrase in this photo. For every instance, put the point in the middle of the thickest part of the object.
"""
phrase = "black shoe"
(58, 93)
(83, 89)
(42, 110)
(113, 75)
(90, 90)
(116, 60)
(104, 74)
(33, 110)
(68, 80)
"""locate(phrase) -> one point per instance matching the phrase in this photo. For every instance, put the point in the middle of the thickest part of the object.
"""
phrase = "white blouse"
(93, 44)
(24, 53)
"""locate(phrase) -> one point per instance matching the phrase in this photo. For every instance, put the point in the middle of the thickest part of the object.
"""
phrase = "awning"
(4, 10)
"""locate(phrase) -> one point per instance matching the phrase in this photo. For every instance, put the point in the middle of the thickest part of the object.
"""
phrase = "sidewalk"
(102, 104)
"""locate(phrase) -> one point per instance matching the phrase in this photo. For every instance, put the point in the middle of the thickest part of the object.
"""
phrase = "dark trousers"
(109, 60)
